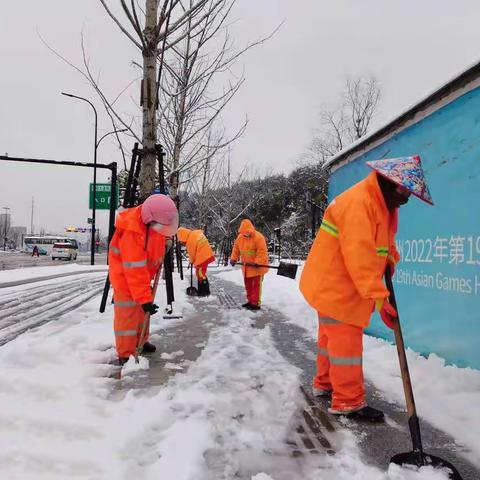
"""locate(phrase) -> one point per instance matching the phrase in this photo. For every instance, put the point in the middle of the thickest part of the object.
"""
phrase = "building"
(438, 281)
(5, 223)
(16, 235)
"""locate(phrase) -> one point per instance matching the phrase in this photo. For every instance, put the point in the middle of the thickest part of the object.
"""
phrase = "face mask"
(168, 230)
(157, 227)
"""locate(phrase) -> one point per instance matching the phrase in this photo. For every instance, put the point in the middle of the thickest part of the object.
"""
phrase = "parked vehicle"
(64, 250)
(45, 243)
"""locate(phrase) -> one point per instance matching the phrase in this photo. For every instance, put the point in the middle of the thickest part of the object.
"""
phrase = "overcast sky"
(411, 46)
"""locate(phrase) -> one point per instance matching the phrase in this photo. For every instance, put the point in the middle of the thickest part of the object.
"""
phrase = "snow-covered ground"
(226, 414)
(38, 272)
(446, 396)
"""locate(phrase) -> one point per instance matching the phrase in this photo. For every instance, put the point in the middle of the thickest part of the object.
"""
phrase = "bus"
(45, 243)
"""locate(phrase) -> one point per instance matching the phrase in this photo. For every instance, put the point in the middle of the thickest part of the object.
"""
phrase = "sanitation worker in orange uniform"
(135, 256)
(200, 255)
(342, 277)
(251, 248)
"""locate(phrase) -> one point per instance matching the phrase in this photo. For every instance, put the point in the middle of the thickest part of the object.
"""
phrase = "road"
(35, 304)
(10, 261)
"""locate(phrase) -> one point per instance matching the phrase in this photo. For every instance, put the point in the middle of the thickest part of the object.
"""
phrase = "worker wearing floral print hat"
(342, 277)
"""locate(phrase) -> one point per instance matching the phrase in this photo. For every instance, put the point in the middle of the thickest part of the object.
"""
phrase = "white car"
(64, 250)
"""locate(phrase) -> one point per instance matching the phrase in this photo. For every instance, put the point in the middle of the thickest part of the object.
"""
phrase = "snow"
(445, 395)
(38, 272)
(63, 417)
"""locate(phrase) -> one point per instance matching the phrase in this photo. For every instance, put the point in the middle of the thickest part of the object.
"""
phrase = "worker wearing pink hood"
(135, 256)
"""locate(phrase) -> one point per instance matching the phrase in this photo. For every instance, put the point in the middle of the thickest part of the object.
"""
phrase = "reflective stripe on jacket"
(251, 249)
(342, 276)
(133, 258)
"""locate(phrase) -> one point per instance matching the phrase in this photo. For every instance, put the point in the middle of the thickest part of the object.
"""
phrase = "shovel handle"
(257, 265)
(146, 322)
(413, 422)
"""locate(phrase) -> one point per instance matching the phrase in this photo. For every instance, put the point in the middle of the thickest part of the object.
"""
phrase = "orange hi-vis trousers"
(127, 324)
(253, 287)
(339, 363)
(201, 270)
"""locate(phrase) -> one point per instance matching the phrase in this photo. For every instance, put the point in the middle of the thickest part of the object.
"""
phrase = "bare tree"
(165, 24)
(189, 111)
(349, 121)
(190, 120)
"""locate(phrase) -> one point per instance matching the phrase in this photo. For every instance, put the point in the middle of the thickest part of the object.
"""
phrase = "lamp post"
(109, 133)
(95, 144)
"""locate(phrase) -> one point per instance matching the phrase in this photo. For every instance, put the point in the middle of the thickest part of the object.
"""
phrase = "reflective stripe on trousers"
(201, 271)
(127, 324)
(339, 363)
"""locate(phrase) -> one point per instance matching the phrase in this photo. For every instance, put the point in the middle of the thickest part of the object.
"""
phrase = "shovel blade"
(415, 458)
(192, 291)
(288, 270)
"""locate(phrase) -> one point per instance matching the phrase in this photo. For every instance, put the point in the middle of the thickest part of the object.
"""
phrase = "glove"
(233, 262)
(150, 308)
(387, 312)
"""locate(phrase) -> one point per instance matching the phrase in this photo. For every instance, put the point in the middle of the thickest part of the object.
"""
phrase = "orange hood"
(131, 220)
(183, 234)
(246, 226)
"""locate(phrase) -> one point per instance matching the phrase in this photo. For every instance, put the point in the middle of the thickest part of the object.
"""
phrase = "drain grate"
(227, 301)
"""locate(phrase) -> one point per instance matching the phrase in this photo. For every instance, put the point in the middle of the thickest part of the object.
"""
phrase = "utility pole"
(31, 218)
(5, 215)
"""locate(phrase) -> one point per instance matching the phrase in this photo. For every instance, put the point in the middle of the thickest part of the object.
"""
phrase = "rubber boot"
(364, 413)
(148, 347)
(203, 288)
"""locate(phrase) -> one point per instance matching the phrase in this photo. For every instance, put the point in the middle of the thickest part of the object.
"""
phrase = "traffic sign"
(102, 196)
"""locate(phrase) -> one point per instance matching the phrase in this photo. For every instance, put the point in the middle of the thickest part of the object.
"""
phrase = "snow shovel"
(191, 290)
(284, 269)
(146, 322)
(416, 457)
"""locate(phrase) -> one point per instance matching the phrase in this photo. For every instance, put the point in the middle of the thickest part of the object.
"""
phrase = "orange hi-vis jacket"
(198, 248)
(134, 257)
(342, 276)
(252, 249)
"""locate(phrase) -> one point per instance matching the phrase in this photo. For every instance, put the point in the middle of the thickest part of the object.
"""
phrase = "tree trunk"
(149, 89)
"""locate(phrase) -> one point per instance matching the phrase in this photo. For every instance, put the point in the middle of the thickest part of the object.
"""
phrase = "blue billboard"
(438, 280)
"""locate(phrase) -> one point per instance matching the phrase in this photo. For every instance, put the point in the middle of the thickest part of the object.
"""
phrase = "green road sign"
(102, 196)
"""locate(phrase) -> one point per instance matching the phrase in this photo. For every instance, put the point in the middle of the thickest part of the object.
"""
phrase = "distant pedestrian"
(251, 248)
(135, 255)
(35, 251)
(200, 254)
(342, 277)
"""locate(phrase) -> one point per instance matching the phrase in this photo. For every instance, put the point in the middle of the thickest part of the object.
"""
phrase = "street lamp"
(109, 133)
(92, 247)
